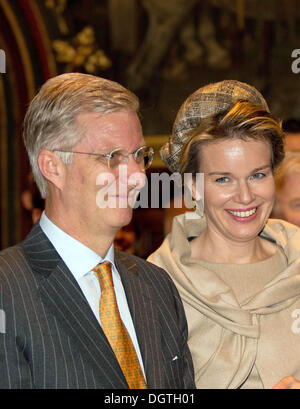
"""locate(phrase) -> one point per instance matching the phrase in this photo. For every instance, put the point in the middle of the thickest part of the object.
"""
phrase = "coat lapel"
(144, 316)
(63, 297)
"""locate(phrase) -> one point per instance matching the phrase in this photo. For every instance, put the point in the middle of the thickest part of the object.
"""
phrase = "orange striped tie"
(115, 330)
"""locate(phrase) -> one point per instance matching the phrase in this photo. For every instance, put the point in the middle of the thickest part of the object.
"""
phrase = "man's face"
(288, 199)
(292, 142)
(82, 188)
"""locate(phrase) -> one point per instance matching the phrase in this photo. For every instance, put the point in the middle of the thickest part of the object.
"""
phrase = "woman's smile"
(243, 215)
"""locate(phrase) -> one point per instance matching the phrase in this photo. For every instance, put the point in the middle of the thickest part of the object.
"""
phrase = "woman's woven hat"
(206, 101)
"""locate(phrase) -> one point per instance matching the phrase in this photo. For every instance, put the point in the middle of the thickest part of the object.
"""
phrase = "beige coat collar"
(205, 295)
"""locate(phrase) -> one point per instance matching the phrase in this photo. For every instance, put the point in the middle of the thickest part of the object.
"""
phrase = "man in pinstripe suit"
(77, 129)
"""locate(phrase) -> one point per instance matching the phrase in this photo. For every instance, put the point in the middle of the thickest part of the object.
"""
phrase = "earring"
(198, 207)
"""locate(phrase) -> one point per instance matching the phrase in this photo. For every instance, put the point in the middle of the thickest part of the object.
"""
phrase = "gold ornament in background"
(59, 6)
(81, 52)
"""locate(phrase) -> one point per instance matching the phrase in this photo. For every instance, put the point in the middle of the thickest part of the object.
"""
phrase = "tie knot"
(104, 275)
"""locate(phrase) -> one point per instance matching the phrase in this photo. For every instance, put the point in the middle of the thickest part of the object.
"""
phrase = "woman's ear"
(194, 191)
(198, 193)
(52, 168)
(197, 187)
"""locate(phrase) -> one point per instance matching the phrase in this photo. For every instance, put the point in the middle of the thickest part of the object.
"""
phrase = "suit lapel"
(63, 297)
(144, 316)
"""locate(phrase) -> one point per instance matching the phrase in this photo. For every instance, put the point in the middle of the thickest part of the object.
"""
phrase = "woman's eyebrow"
(229, 173)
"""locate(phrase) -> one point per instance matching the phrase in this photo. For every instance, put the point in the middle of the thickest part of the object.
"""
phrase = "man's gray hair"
(50, 122)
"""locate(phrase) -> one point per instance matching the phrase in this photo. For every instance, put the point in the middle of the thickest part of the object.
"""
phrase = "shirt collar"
(79, 259)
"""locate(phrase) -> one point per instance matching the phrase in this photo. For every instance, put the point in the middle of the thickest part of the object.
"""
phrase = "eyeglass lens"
(142, 156)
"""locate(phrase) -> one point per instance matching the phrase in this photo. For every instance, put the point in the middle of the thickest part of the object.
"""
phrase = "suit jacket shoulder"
(51, 338)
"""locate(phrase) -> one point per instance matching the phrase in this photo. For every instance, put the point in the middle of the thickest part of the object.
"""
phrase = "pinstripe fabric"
(53, 340)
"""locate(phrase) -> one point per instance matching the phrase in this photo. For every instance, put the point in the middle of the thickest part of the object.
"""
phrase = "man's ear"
(52, 168)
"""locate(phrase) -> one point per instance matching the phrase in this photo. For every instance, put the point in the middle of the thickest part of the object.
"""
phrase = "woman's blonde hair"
(243, 120)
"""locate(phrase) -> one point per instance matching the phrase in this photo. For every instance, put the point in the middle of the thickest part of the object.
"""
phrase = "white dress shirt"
(81, 260)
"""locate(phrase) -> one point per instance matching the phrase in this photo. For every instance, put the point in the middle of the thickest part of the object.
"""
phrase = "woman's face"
(239, 187)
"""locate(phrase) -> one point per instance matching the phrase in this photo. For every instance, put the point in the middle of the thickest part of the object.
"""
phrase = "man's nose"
(136, 174)
(132, 175)
(132, 165)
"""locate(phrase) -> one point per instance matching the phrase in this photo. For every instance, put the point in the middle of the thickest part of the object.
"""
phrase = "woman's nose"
(245, 195)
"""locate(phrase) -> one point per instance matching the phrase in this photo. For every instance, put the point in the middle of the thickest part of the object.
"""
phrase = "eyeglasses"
(143, 156)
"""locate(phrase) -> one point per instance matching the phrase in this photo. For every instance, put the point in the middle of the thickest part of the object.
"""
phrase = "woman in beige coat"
(238, 273)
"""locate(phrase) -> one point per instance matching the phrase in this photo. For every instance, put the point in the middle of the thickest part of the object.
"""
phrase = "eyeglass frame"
(108, 156)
